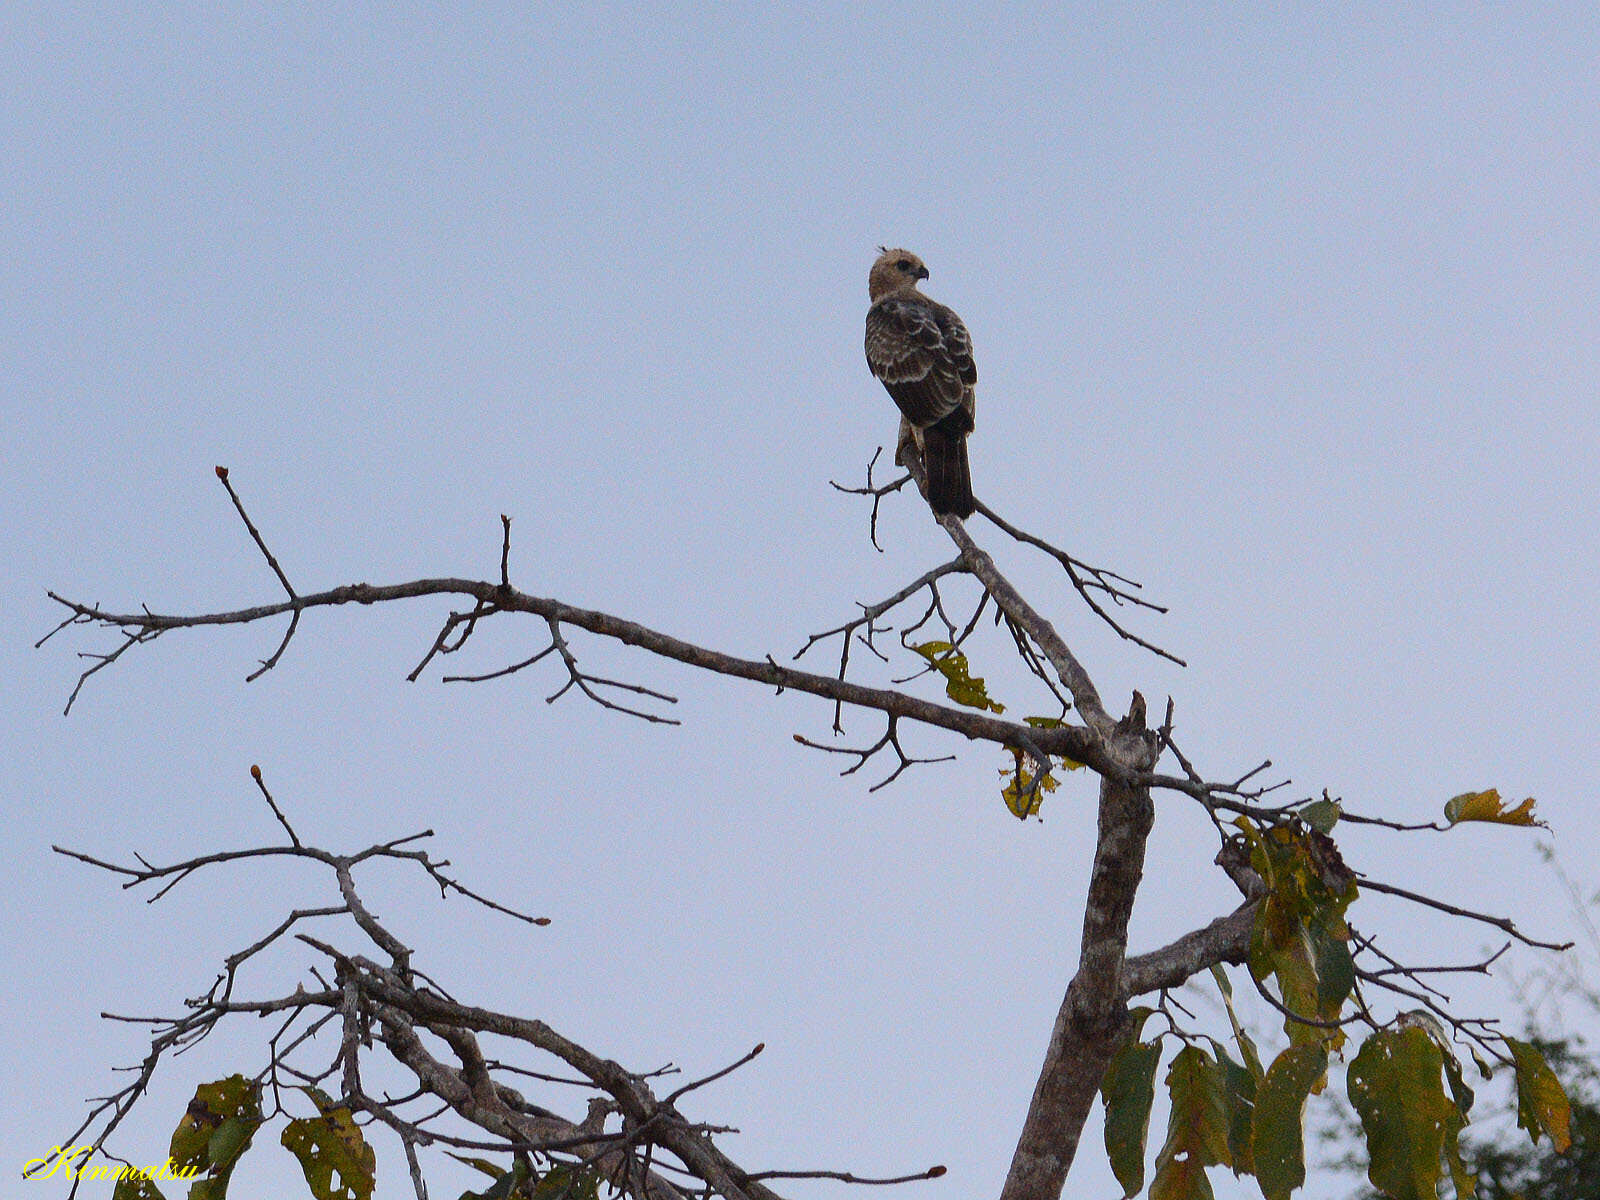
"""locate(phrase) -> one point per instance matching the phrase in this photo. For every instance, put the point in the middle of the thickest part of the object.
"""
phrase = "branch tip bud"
(222, 474)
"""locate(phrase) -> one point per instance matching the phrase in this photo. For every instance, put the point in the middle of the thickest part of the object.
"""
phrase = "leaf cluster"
(1405, 1081)
(221, 1122)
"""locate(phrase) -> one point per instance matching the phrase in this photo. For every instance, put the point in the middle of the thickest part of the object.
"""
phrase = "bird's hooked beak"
(922, 272)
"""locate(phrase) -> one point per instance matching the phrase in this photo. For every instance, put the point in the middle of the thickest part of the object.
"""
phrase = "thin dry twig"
(933, 1172)
(716, 1075)
(889, 740)
(1504, 924)
(255, 534)
(1087, 580)
(865, 627)
(876, 491)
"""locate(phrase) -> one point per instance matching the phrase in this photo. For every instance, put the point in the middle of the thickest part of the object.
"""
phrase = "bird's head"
(895, 271)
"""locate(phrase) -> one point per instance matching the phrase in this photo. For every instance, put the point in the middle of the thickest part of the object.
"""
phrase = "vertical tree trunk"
(1093, 1014)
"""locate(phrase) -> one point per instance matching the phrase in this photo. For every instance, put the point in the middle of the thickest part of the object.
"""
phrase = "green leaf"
(231, 1138)
(1487, 806)
(1128, 1090)
(1394, 1083)
(506, 1182)
(1336, 970)
(215, 1131)
(1465, 1181)
(1247, 1047)
(1485, 1071)
(330, 1144)
(564, 1182)
(1300, 935)
(1278, 1138)
(1281, 948)
(1459, 1091)
(1239, 1088)
(1197, 1128)
(1322, 815)
(1542, 1104)
(213, 1104)
(961, 686)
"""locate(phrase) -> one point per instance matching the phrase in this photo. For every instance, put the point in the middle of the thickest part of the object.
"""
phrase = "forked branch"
(468, 1103)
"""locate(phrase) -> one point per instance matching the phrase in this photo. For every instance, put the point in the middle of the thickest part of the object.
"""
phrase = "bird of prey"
(920, 351)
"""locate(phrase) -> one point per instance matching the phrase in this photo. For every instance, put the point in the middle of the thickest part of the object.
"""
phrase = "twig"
(501, 672)
(891, 738)
(1503, 924)
(1087, 579)
(845, 1176)
(255, 773)
(715, 1075)
(877, 493)
(131, 638)
(868, 618)
(583, 682)
(1067, 741)
(294, 620)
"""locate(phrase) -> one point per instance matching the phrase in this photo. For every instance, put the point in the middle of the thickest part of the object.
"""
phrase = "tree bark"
(1093, 1015)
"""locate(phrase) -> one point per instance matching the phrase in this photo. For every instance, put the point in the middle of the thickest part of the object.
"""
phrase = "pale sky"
(1290, 316)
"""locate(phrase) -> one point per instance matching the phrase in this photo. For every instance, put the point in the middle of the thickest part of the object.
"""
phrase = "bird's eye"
(903, 265)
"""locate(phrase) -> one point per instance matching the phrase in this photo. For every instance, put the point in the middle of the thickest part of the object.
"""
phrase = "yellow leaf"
(959, 684)
(1487, 806)
(1542, 1104)
(1022, 797)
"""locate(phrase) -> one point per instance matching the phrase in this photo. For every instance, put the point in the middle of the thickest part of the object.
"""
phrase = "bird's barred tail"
(944, 454)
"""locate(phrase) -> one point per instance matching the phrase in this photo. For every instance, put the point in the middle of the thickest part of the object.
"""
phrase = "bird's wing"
(923, 356)
(959, 344)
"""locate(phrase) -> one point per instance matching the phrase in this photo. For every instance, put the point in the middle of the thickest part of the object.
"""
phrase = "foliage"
(338, 1163)
(1487, 806)
(522, 1181)
(215, 1132)
(1404, 1080)
(1501, 1162)
(1514, 1169)
(959, 684)
(220, 1123)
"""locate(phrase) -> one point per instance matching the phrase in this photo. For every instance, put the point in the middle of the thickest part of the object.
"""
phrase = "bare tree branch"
(1087, 580)
(401, 1009)
(1072, 742)
(890, 740)
(657, 1153)
(1501, 923)
(1225, 940)
(876, 491)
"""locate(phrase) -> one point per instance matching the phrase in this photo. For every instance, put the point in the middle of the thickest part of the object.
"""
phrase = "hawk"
(921, 353)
